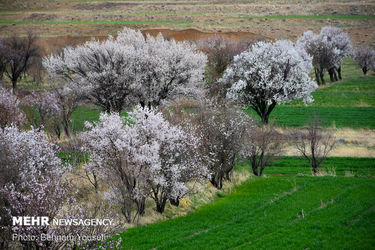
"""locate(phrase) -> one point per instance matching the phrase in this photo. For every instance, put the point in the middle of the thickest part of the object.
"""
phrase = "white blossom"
(130, 69)
(365, 57)
(10, 112)
(142, 155)
(269, 74)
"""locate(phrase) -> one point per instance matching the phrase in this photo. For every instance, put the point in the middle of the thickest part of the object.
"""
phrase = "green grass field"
(273, 213)
(340, 166)
(356, 117)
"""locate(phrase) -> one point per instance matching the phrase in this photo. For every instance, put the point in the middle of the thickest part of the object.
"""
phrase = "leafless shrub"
(261, 146)
(47, 106)
(36, 70)
(18, 55)
(314, 144)
(220, 52)
(220, 127)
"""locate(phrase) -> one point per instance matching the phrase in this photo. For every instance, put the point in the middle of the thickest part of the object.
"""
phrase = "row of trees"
(161, 147)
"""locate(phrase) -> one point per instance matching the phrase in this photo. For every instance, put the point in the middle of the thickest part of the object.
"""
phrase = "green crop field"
(337, 166)
(273, 213)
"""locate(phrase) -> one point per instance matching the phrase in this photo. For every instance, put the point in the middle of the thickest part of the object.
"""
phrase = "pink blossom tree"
(10, 112)
(31, 182)
(269, 74)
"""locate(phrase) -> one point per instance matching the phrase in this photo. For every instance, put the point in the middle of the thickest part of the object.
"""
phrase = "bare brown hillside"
(53, 44)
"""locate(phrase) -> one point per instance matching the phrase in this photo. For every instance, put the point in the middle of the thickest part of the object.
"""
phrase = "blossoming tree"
(365, 57)
(31, 181)
(341, 41)
(142, 156)
(129, 69)
(10, 112)
(328, 48)
(269, 74)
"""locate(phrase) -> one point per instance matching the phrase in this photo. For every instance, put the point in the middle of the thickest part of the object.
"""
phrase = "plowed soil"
(53, 44)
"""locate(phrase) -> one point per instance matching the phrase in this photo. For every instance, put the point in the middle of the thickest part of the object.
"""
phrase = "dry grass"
(350, 143)
(205, 193)
(326, 172)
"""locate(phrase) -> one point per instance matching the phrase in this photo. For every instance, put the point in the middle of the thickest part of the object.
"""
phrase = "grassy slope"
(275, 212)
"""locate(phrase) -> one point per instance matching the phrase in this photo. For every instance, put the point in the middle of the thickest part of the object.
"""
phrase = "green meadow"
(276, 212)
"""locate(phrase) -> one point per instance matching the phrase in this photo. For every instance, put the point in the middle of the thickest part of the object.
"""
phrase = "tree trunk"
(334, 74)
(217, 180)
(141, 206)
(364, 70)
(160, 206)
(314, 166)
(321, 74)
(126, 210)
(175, 202)
(14, 86)
(264, 119)
(317, 76)
(66, 128)
(261, 171)
(58, 131)
(339, 72)
(254, 166)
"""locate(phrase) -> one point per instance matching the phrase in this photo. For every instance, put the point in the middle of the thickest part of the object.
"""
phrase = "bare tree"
(68, 102)
(314, 144)
(21, 51)
(261, 146)
(4, 50)
(220, 53)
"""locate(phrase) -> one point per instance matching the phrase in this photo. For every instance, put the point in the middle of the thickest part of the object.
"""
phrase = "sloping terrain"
(273, 213)
(281, 19)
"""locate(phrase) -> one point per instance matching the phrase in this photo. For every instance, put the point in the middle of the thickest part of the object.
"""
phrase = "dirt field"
(280, 19)
(52, 44)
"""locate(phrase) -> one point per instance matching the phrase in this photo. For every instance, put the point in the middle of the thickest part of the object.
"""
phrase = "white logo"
(44, 221)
